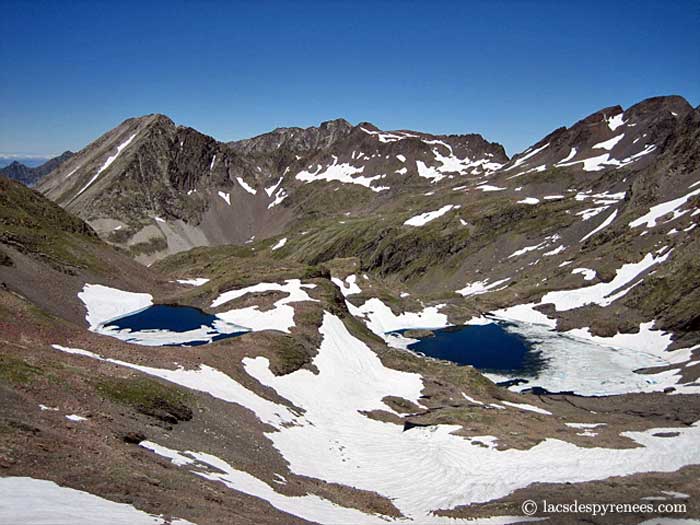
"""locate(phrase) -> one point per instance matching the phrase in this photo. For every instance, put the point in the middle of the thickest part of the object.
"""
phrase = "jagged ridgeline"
(433, 211)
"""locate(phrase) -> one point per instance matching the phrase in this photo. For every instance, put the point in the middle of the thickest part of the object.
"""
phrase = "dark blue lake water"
(178, 319)
(487, 347)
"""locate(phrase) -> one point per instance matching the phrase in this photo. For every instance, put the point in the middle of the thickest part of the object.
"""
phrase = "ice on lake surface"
(165, 325)
(486, 347)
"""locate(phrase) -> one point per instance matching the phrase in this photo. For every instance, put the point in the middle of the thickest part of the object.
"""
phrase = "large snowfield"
(420, 470)
(28, 501)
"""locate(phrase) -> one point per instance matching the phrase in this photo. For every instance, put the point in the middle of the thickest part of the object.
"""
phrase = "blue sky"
(510, 70)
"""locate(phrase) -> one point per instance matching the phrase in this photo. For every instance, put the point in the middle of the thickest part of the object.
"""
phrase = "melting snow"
(279, 197)
(529, 200)
(108, 162)
(588, 274)
(609, 144)
(600, 293)
(279, 244)
(381, 319)
(591, 212)
(245, 186)
(424, 218)
(656, 212)
(106, 304)
(570, 156)
(272, 188)
(488, 187)
(616, 121)
(420, 470)
(308, 507)
(602, 226)
(482, 287)
(37, 501)
(584, 426)
(526, 156)
(555, 251)
(226, 197)
(199, 281)
(389, 137)
(527, 408)
(280, 317)
(349, 286)
(344, 173)
(527, 249)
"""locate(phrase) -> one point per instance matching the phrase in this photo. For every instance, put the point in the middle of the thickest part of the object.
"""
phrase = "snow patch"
(344, 173)
(108, 162)
(425, 218)
(37, 501)
(280, 317)
(246, 186)
(651, 218)
(198, 281)
(482, 287)
(279, 244)
(348, 286)
(609, 144)
(226, 197)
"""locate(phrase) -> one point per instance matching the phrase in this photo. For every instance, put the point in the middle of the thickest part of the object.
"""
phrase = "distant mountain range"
(30, 175)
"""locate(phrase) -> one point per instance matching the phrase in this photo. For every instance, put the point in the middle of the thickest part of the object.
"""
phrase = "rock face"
(30, 176)
(435, 212)
(157, 188)
(608, 139)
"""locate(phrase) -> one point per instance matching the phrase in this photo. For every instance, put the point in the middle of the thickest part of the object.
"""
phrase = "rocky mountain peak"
(610, 138)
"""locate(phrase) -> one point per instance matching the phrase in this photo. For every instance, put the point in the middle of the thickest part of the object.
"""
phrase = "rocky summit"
(264, 331)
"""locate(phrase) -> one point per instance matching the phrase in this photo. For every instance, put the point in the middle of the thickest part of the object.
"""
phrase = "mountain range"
(333, 249)
(30, 175)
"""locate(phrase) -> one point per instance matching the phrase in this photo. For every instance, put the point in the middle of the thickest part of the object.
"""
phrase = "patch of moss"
(17, 371)
(34, 225)
(290, 355)
(148, 396)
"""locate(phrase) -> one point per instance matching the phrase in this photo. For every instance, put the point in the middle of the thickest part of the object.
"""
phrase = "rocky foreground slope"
(318, 414)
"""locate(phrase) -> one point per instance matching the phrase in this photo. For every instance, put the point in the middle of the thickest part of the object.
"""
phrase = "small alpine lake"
(487, 347)
(168, 325)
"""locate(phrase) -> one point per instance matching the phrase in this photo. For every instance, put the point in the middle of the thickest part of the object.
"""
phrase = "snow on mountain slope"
(28, 500)
(334, 440)
(185, 174)
(629, 137)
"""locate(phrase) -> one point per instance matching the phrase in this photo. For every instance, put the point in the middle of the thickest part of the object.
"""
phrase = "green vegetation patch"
(290, 355)
(148, 396)
(17, 371)
(34, 225)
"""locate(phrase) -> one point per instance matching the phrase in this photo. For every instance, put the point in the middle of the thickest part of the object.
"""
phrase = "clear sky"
(510, 70)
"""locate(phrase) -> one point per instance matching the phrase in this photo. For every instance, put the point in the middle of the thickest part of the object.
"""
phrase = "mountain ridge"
(30, 176)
